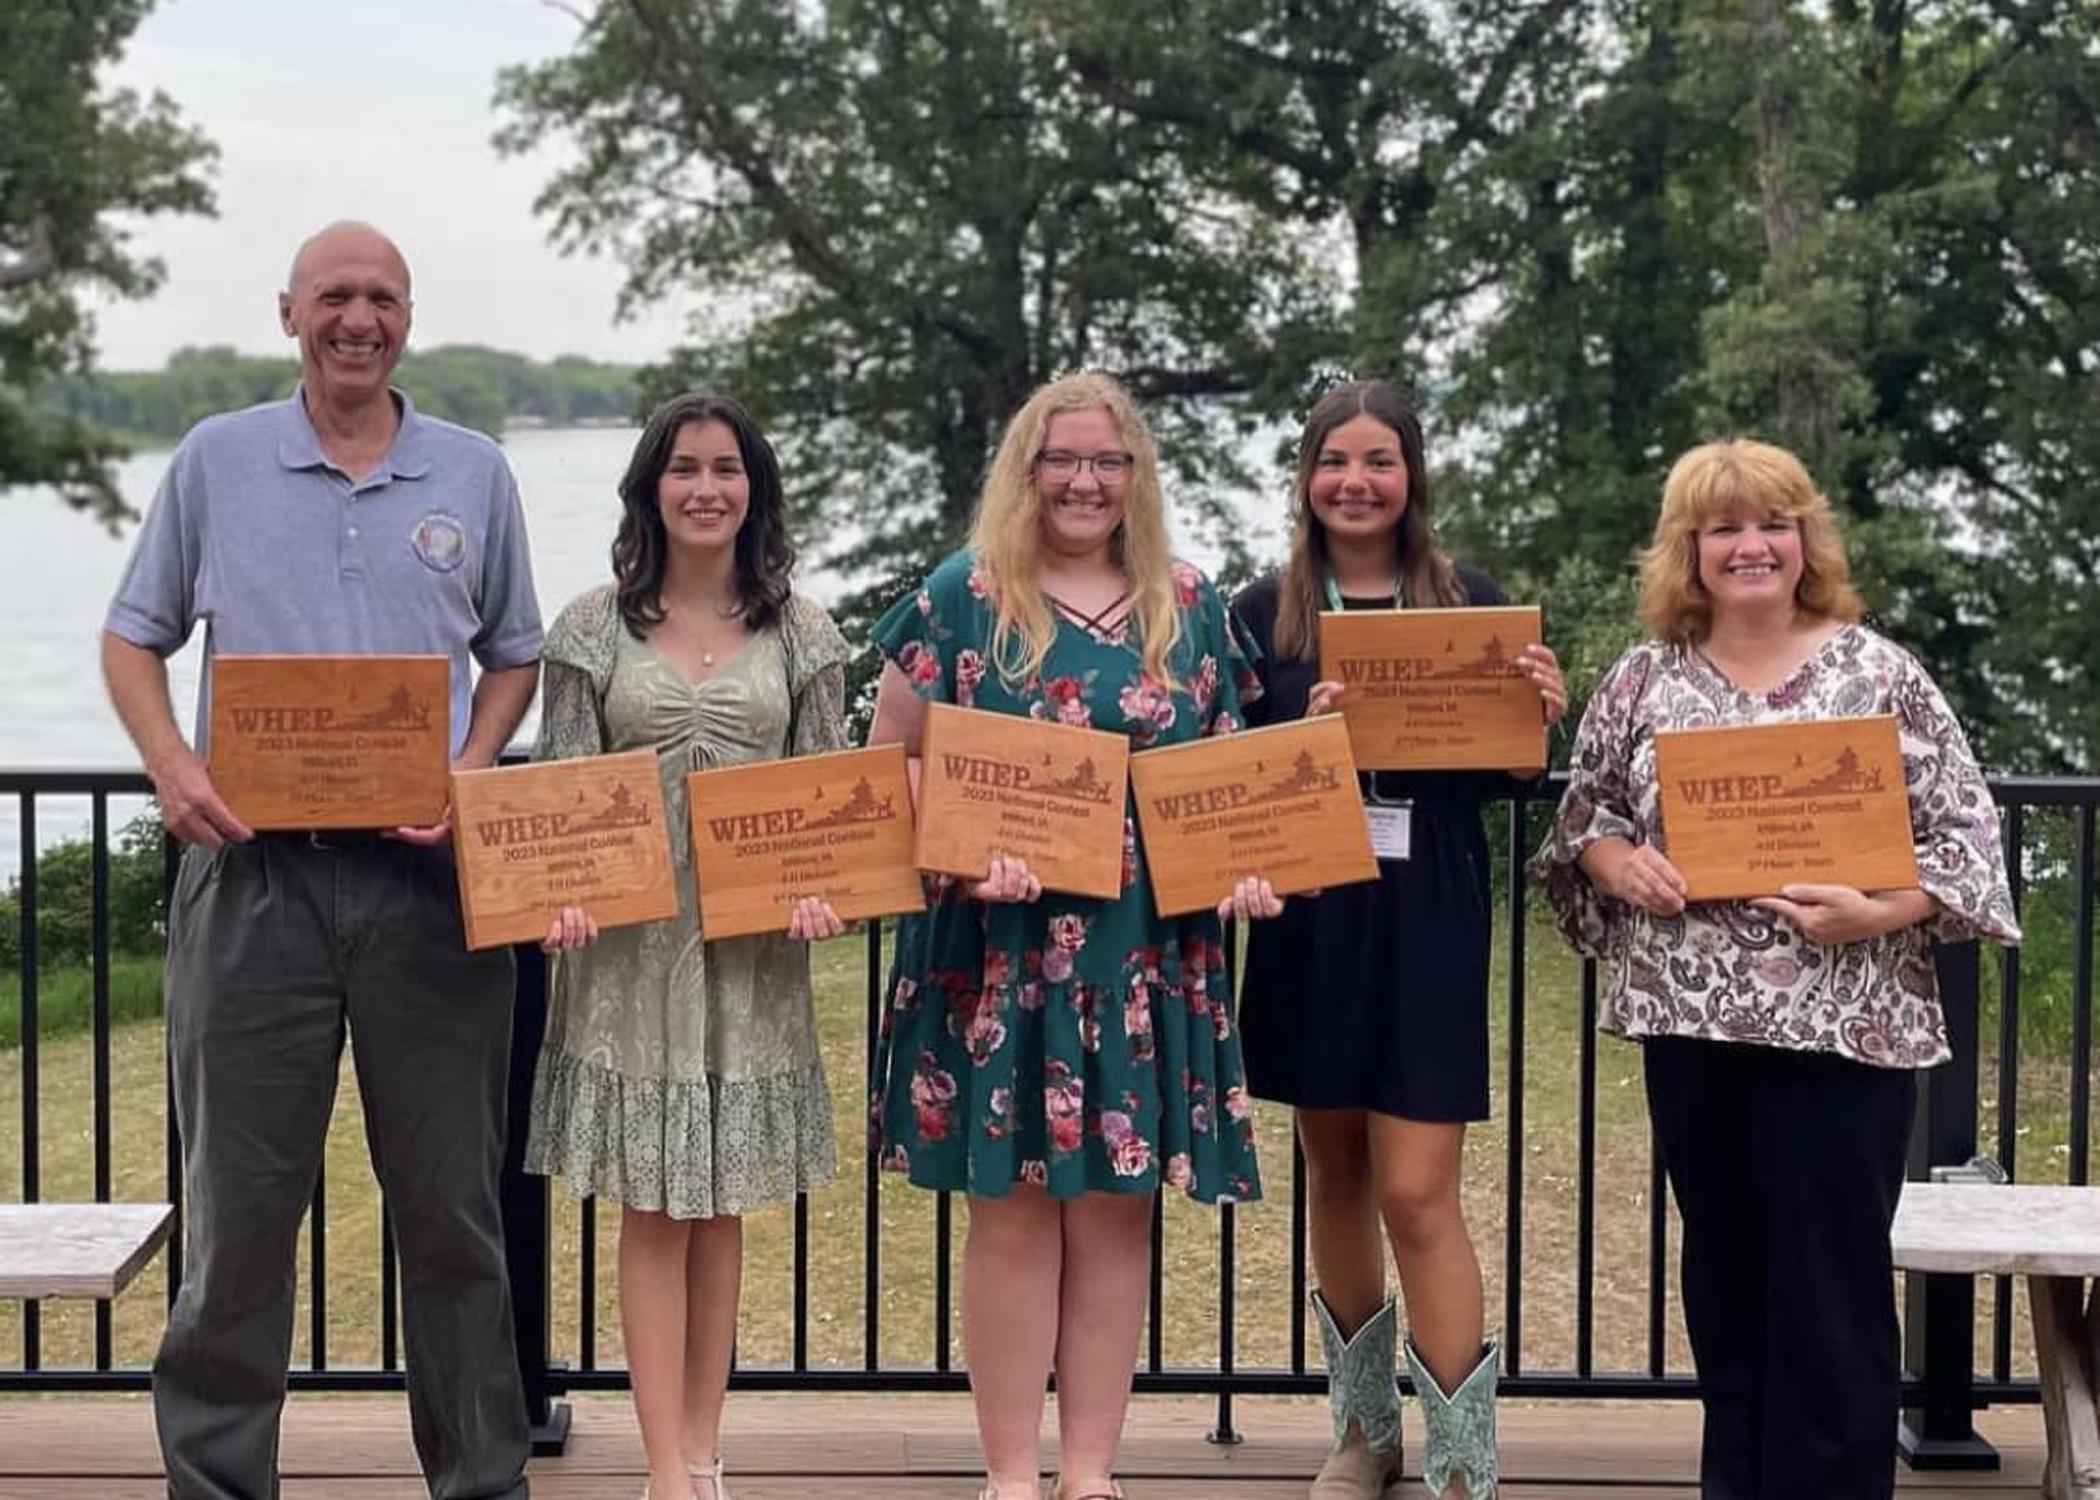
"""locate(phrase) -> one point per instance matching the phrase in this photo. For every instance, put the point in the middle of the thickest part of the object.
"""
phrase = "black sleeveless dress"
(1374, 996)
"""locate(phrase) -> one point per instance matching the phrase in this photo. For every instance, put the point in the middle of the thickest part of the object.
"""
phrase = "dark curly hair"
(764, 555)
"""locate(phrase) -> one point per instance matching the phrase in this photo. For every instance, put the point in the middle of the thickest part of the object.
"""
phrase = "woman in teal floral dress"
(1058, 1057)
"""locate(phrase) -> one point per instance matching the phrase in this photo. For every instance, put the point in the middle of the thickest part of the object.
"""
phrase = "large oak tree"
(76, 161)
(900, 216)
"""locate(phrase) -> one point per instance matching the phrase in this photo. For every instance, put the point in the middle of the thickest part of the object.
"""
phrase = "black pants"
(1787, 1167)
(276, 949)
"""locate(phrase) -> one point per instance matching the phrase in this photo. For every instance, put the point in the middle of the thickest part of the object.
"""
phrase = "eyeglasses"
(1109, 468)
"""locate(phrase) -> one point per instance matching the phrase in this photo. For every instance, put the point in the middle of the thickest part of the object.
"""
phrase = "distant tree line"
(1590, 232)
(486, 389)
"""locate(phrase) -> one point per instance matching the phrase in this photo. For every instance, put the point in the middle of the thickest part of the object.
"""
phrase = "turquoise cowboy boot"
(1364, 1402)
(1459, 1427)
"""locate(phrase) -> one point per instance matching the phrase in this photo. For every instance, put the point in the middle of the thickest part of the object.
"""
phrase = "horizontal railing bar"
(74, 783)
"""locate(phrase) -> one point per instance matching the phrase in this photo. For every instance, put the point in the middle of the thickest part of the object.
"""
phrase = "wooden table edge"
(103, 1286)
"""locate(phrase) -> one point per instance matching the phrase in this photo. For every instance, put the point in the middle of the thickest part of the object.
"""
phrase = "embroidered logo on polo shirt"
(440, 542)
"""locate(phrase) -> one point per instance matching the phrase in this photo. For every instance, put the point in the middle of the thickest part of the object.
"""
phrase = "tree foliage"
(1599, 233)
(1590, 232)
(76, 159)
(903, 215)
(1525, 192)
(65, 906)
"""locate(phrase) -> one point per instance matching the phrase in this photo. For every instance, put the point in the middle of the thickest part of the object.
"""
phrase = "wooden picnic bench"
(2050, 1235)
(77, 1249)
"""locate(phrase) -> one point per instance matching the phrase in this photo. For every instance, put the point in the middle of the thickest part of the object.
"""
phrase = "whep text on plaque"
(1281, 803)
(837, 826)
(1751, 809)
(588, 832)
(1436, 689)
(1052, 794)
(331, 741)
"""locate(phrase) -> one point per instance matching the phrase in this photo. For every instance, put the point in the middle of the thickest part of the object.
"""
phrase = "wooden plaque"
(837, 826)
(1436, 689)
(1280, 802)
(1748, 810)
(587, 832)
(1050, 793)
(331, 741)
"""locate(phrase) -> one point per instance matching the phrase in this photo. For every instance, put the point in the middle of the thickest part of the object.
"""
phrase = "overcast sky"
(370, 109)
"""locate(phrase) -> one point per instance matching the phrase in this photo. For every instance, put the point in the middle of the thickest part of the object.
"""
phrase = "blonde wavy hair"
(1006, 535)
(1712, 480)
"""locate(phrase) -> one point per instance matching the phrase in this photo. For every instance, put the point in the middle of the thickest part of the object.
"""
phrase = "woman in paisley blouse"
(1781, 1037)
(1056, 1057)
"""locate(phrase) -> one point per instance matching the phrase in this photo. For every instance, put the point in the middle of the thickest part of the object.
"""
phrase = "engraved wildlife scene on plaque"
(304, 742)
(837, 825)
(1436, 689)
(1280, 802)
(1748, 810)
(1053, 794)
(588, 832)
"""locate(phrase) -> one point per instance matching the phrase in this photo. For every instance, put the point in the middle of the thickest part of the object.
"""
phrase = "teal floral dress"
(1078, 1044)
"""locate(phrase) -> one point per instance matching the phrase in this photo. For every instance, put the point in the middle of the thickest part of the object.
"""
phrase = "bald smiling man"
(338, 521)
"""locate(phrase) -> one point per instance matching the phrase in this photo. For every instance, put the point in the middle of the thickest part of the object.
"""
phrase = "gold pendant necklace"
(698, 619)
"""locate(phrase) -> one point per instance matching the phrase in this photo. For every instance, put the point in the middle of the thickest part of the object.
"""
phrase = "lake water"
(58, 569)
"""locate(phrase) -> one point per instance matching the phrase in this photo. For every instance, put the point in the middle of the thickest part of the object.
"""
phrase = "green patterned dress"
(680, 1075)
(1078, 1044)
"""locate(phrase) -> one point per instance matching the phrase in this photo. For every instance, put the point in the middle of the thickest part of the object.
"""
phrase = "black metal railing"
(1943, 1388)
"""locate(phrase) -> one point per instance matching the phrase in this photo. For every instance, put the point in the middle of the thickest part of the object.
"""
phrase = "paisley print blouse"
(1726, 970)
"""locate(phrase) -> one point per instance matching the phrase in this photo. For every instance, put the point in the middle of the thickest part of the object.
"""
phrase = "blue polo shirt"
(255, 533)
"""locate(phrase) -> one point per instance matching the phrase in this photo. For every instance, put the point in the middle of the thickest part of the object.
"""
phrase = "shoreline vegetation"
(489, 390)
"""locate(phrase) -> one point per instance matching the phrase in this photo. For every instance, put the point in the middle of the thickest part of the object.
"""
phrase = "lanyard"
(1368, 779)
(1334, 592)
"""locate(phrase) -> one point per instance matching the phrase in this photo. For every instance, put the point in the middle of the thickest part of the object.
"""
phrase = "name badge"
(1392, 828)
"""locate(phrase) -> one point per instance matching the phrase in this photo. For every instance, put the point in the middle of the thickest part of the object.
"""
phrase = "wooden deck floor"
(921, 1448)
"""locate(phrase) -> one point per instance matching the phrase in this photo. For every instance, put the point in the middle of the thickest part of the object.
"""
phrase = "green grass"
(65, 998)
(1551, 1048)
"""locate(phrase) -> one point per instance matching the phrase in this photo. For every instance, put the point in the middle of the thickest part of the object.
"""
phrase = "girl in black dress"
(1365, 1007)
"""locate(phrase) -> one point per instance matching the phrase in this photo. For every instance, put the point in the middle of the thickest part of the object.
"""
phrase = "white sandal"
(712, 1475)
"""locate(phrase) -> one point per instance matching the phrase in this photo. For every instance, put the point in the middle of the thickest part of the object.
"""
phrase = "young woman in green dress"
(681, 1076)
(1058, 1058)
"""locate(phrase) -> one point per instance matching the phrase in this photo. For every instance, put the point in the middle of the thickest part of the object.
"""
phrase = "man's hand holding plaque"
(190, 805)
